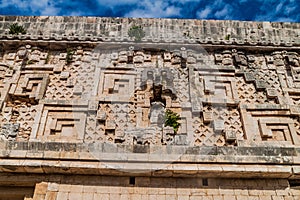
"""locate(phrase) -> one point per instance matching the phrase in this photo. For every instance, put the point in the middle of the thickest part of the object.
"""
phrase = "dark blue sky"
(258, 10)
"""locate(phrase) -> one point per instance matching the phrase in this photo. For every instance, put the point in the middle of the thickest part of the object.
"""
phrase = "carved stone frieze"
(221, 98)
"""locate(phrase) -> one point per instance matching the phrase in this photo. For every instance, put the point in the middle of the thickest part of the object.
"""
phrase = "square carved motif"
(269, 126)
(220, 90)
(31, 85)
(116, 86)
(276, 129)
(59, 124)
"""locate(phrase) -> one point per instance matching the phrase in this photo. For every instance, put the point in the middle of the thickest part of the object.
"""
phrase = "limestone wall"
(91, 96)
(112, 187)
(171, 189)
(119, 94)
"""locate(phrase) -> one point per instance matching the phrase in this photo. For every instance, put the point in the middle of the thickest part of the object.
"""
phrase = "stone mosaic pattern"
(82, 107)
(119, 94)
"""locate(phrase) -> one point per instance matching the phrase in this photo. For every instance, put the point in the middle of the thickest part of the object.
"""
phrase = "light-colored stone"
(79, 122)
(62, 195)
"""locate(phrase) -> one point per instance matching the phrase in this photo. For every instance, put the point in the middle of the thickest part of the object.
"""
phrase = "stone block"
(71, 82)
(180, 140)
(62, 195)
(110, 124)
(249, 77)
(114, 56)
(93, 105)
(271, 93)
(53, 187)
(87, 196)
(64, 75)
(218, 125)
(138, 57)
(75, 195)
(101, 116)
(207, 117)
(41, 188)
(230, 197)
(230, 136)
(167, 57)
(58, 68)
(78, 89)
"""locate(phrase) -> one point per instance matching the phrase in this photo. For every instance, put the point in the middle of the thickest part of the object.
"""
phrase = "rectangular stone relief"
(60, 124)
(219, 89)
(31, 85)
(223, 96)
(267, 126)
(116, 86)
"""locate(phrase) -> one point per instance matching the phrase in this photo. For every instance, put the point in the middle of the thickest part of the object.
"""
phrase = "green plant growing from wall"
(69, 57)
(187, 34)
(227, 37)
(30, 62)
(16, 29)
(48, 58)
(171, 119)
(259, 26)
(136, 32)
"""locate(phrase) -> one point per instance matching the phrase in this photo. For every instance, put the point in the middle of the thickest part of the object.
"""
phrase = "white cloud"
(284, 11)
(112, 3)
(50, 11)
(224, 13)
(289, 9)
(40, 7)
(172, 11)
(279, 7)
(184, 1)
(204, 13)
(20, 4)
(44, 7)
(150, 9)
(218, 3)
(268, 10)
(284, 19)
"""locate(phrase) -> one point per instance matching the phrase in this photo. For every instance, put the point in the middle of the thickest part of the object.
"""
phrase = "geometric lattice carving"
(219, 126)
(226, 98)
(6, 75)
(248, 94)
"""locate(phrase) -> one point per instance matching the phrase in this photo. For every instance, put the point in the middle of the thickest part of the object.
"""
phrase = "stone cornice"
(97, 29)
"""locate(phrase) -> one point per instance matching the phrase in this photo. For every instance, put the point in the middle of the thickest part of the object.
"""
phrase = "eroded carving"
(121, 96)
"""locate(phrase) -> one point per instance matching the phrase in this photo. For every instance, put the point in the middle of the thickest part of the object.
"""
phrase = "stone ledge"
(156, 157)
(33, 38)
(146, 169)
(180, 161)
(166, 149)
(19, 152)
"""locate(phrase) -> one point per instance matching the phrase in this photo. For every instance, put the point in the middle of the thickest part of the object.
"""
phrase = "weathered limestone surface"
(83, 96)
(157, 30)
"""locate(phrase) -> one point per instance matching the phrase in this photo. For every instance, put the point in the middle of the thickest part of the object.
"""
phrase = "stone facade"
(85, 104)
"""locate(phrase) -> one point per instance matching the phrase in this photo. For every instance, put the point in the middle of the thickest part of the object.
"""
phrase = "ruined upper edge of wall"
(98, 29)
